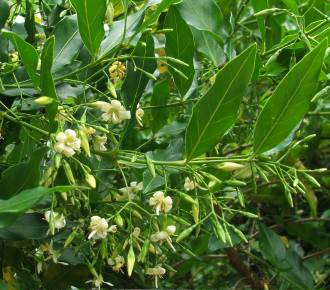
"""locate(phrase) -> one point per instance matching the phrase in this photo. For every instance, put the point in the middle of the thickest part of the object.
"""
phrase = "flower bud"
(90, 179)
(130, 261)
(230, 166)
(43, 101)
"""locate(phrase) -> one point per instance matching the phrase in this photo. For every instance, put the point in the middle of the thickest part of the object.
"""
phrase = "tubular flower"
(98, 227)
(160, 202)
(117, 71)
(57, 219)
(67, 143)
(117, 263)
(189, 184)
(129, 192)
(99, 143)
(158, 271)
(114, 112)
(139, 115)
(164, 236)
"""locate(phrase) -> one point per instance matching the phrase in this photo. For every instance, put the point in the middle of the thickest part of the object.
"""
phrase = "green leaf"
(272, 247)
(68, 42)
(216, 112)
(28, 198)
(4, 12)
(29, 23)
(289, 102)
(180, 45)
(207, 45)
(292, 4)
(46, 81)
(28, 172)
(259, 5)
(159, 97)
(90, 21)
(27, 53)
(203, 15)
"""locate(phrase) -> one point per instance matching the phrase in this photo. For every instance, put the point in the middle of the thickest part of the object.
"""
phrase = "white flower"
(99, 143)
(98, 282)
(189, 184)
(157, 271)
(136, 232)
(164, 236)
(67, 143)
(139, 115)
(113, 229)
(129, 192)
(114, 112)
(57, 219)
(171, 229)
(98, 227)
(117, 263)
(160, 202)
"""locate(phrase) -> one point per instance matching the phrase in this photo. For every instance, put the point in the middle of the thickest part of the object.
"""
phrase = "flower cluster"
(113, 112)
(117, 71)
(160, 202)
(67, 143)
(129, 192)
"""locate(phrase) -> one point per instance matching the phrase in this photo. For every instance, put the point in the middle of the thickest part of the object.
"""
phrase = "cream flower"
(117, 263)
(98, 281)
(57, 219)
(160, 202)
(158, 271)
(113, 229)
(139, 115)
(164, 236)
(189, 184)
(67, 143)
(136, 232)
(99, 143)
(114, 112)
(129, 192)
(99, 228)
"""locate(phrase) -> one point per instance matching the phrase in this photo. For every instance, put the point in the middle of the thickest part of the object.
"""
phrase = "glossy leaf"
(159, 98)
(90, 21)
(68, 42)
(28, 172)
(216, 112)
(289, 102)
(207, 45)
(203, 15)
(27, 53)
(4, 12)
(180, 45)
(46, 80)
(28, 198)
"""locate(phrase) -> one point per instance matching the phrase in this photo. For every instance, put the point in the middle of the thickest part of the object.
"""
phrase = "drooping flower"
(67, 143)
(160, 202)
(164, 236)
(157, 271)
(99, 143)
(117, 263)
(98, 281)
(98, 227)
(139, 115)
(114, 112)
(58, 220)
(189, 184)
(129, 192)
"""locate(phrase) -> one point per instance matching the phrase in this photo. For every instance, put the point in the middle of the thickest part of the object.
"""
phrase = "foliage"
(164, 143)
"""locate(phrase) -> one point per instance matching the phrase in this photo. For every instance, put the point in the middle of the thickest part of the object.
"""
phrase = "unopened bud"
(230, 166)
(43, 101)
(90, 179)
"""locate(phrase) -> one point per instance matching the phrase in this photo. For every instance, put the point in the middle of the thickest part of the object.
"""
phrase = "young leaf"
(46, 80)
(180, 45)
(4, 12)
(90, 22)
(289, 102)
(27, 53)
(216, 112)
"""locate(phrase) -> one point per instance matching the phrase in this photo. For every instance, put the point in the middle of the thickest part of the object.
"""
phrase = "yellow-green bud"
(130, 261)
(43, 101)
